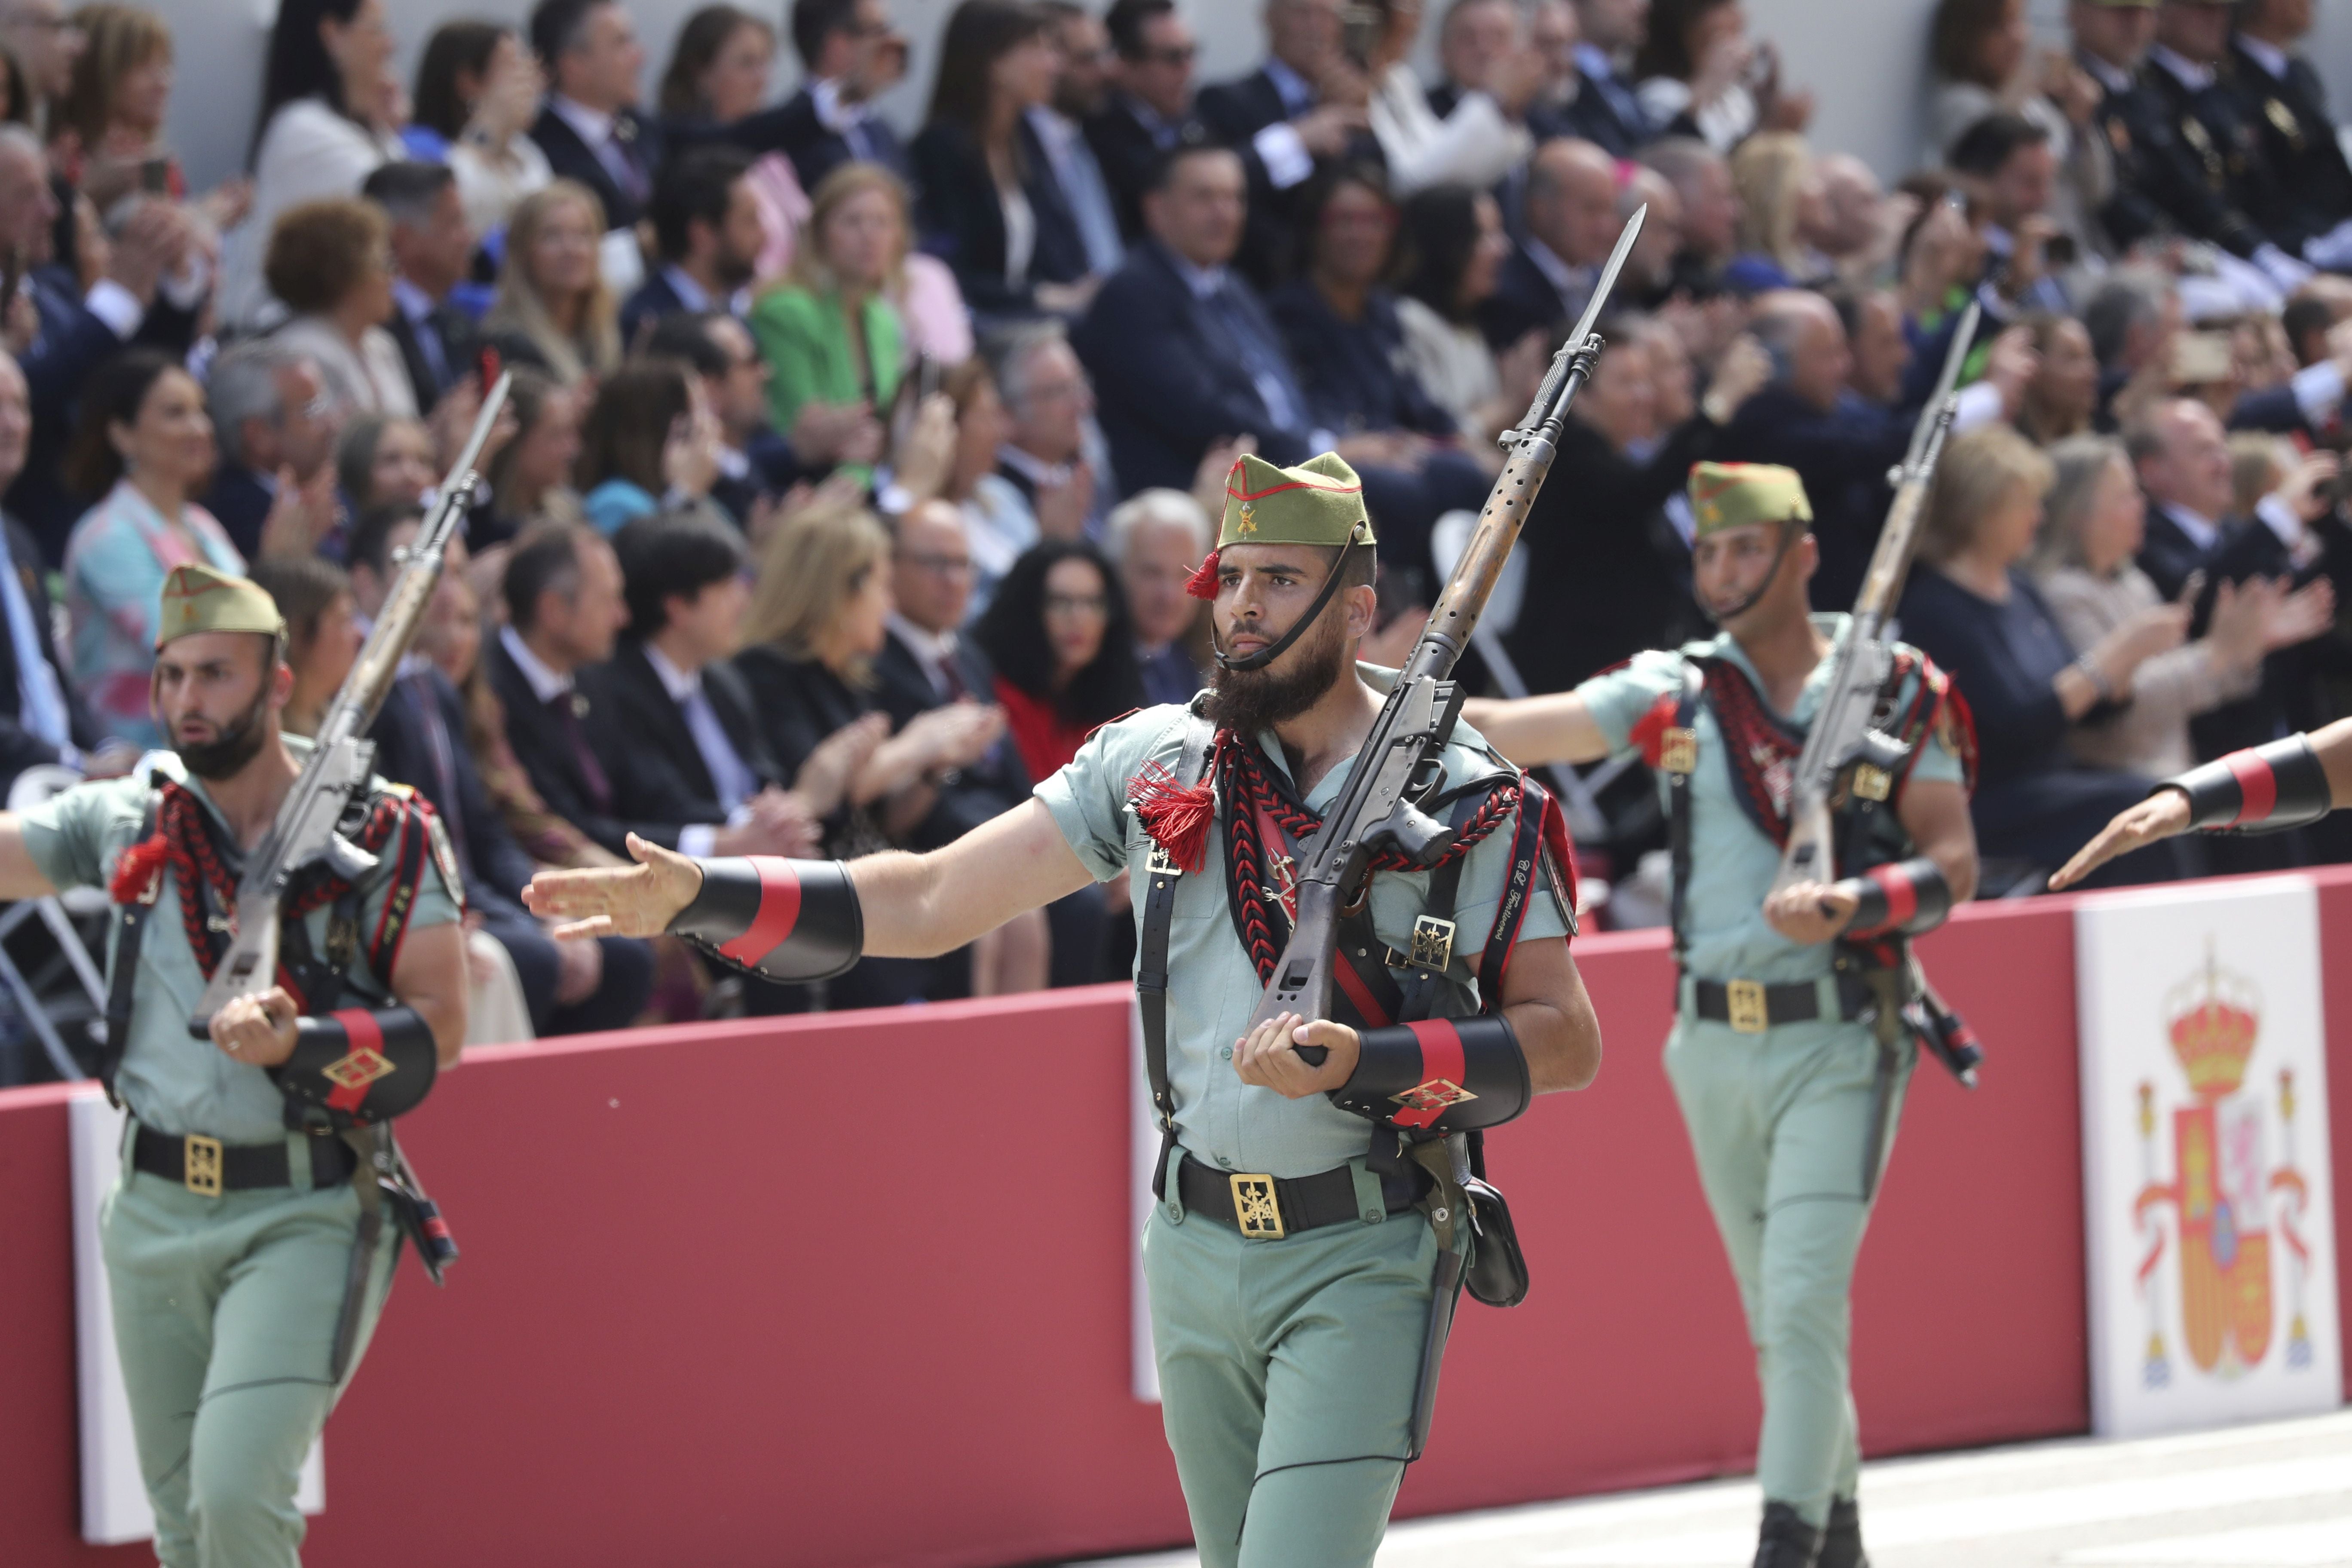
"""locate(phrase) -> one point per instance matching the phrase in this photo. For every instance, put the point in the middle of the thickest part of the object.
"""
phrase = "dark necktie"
(445, 770)
(566, 708)
(1261, 359)
(631, 173)
(950, 680)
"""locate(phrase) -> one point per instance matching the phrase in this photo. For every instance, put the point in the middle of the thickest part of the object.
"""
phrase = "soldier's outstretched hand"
(625, 900)
(1265, 1058)
(2160, 815)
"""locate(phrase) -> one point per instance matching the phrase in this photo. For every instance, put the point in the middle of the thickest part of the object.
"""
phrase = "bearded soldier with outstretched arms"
(1315, 1189)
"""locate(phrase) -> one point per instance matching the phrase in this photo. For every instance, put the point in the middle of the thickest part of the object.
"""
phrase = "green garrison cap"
(1321, 501)
(1734, 495)
(199, 599)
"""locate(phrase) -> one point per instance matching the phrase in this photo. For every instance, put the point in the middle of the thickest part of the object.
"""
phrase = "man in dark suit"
(756, 465)
(1278, 120)
(706, 239)
(432, 252)
(2281, 95)
(1571, 224)
(1150, 103)
(1048, 405)
(1475, 36)
(272, 421)
(1606, 110)
(590, 129)
(850, 55)
(2208, 169)
(41, 718)
(2011, 167)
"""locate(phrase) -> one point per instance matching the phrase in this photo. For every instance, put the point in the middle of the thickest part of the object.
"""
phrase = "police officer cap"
(1736, 495)
(199, 599)
(1321, 501)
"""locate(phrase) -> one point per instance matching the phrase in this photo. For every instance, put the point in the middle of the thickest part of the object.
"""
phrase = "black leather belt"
(1752, 1007)
(1271, 1207)
(209, 1167)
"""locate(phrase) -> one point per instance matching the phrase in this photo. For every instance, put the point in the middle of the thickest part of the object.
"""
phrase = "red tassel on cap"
(1203, 584)
(1176, 819)
(136, 871)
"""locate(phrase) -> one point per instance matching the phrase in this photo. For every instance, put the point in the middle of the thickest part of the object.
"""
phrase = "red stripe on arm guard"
(1906, 896)
(1441, 1075)
(787, 920)
(2267, 788)
(358, 1067)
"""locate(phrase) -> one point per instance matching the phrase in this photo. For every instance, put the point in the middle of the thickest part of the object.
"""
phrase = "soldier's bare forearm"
(19, 877)
(920, 906)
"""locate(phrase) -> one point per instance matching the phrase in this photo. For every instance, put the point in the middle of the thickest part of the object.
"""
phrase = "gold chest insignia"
(2281, 116)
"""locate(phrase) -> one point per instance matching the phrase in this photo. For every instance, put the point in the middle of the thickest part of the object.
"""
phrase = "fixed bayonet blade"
(1608, 284)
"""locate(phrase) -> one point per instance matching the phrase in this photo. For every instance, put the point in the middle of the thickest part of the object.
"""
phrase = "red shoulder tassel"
(140, 866)
(1203, 584)
(1649, 731)
(1176, 819)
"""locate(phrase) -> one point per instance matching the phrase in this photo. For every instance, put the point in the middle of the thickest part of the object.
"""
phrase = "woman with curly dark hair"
(1057, 636)
(1450, 249)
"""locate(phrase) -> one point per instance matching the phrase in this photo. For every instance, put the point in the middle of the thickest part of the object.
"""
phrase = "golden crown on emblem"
(2211, 1019)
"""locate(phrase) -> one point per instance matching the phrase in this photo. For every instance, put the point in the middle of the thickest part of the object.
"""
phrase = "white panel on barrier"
(2206, 1173)
(113, 1497)
(1146, 1373)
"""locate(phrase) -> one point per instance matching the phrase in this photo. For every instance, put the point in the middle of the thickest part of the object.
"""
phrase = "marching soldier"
(244, 1244)
(1310, 1211)
(1787, 1056)
(2270, 788)
(2280, 94)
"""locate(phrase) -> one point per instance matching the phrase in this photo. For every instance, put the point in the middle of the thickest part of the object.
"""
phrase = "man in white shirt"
(1050, 405)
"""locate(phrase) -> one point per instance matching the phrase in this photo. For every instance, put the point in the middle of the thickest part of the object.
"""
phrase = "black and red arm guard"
(789, 920)
(359, 1065)
(1445, 1075)
(1906, 896)
(2264, 789)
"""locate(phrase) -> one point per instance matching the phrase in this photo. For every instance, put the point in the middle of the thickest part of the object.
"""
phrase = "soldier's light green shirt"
(1212, 987)
(171, 1080)
(1733, 861)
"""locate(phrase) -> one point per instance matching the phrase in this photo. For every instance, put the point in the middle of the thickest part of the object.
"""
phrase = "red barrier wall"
(853, 1290)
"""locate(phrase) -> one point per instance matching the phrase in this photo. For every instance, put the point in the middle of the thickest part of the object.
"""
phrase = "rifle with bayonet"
(1379, 806)
(1841, 739)
(304, 833)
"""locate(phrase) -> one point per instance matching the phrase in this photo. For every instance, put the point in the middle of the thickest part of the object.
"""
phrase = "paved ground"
(2272, 1495)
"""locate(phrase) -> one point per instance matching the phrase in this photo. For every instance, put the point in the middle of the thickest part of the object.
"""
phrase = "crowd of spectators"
(853, 470)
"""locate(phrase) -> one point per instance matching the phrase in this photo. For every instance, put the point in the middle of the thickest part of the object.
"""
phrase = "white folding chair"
(58, 912)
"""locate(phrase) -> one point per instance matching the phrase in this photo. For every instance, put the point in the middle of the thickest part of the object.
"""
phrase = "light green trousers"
(1286, 1378)
(1783, 1125)
(225, 1317)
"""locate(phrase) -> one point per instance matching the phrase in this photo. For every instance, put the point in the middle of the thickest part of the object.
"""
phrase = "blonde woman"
(553, 306)
(2097, 519)
(1780, 198)
(828, 331)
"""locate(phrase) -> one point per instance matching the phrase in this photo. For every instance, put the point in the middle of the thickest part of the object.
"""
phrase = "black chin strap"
(1275, 650)
(1790, 533)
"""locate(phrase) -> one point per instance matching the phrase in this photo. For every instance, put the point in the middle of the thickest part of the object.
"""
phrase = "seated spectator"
(115, 109)
(650, 440)
(718, 72)
(425, 737)
(590, 129)
(530, 478)
(432, 254)
(1571, 227)
(1877, 334)
(1183, 356)
(989, 204)
(477, 93)
(1780, 199)
(42, 719)
(322, 131)
(1859, 227)
(554, 309)
(144, 446)
(1616, 573)
(276, 431)
(819, 620)
(1157, 539)
(1651, 277)
(1985, 65)
(331, 263)
(2209, 194)
(383, 461)
(2008, 163)
(832, 340)
(1608, 109)
(2097, 517)
(2182, 458)
(42, 44)
(756, 466)
(1342, 327)
(1477, 140)
(850, 55)
(2062, 398)
(997, 515)
(707, 236)
(2133, 318)
(322, 633)
(1150, 106)
(1081, 89)
(1049, 408)
(1474, 36)
(2299, 140)
(1057, 636)
(1971, 608)
(81, 322)
(1701, 75)
(1450, 253)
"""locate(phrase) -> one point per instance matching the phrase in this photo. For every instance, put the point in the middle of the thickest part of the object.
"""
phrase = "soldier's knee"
(245, 1464)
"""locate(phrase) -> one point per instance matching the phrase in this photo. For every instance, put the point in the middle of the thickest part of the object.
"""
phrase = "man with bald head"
(1571, 223)
(1710, 205)
(1848, 223)
(1650, 268)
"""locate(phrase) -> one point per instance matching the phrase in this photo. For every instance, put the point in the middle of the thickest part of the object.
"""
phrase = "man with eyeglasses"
(276, 425)
(1149, 107)
(1050, 409)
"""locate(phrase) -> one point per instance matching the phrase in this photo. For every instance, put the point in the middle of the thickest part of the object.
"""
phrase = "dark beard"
(225, 754)
(1247, 701)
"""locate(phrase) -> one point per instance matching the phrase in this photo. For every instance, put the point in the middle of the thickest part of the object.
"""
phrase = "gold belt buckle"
(1872, 782)
(1433, 944)
(201, 1166)
(1745, 1002)
(1678, 751)
(1256, 1208)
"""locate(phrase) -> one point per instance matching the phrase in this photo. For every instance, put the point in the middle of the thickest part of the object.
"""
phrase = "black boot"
(1785, 1540)
(1841, 1542)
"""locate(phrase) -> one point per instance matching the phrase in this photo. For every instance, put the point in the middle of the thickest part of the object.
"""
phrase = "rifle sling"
(1151, 957)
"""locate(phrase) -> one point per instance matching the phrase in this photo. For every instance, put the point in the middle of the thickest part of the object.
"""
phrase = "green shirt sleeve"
(1618, 700)
(1089, 798)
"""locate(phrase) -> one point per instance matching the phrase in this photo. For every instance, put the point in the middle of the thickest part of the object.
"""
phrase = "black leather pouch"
(1498, 1269)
